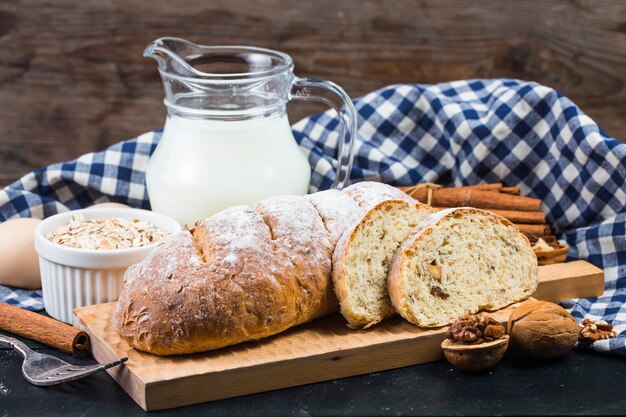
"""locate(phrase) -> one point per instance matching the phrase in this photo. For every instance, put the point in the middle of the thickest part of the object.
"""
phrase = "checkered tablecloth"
(458, 133)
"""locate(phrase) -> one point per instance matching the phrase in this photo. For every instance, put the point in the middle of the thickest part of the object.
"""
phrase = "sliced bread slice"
(362, 257)
(457, 261)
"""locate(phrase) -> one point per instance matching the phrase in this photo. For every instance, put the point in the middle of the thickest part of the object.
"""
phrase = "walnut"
(541, 329)
(475, 342)
(595, 330)
(436, 272)
(474, 329)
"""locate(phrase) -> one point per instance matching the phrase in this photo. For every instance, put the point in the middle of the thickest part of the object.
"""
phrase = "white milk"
(203, 166)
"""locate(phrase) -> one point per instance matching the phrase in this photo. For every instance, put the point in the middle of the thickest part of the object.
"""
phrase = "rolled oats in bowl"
(83, 254)
(106, 233)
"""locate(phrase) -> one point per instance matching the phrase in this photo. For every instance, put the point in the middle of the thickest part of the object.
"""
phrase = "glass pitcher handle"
(334, 96)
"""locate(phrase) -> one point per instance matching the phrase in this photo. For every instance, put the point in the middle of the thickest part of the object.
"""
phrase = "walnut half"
(475, 342)
(474, 328)
(595, 330)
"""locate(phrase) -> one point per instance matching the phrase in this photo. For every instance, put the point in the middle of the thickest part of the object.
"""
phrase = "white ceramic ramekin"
(72, 277)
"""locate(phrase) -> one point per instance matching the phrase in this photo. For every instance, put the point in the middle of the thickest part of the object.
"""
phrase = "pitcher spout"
(171, 55)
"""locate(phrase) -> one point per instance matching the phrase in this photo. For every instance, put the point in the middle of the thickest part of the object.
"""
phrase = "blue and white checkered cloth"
(458, 133)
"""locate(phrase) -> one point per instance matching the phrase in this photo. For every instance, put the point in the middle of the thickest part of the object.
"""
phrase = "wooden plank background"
(72, 78)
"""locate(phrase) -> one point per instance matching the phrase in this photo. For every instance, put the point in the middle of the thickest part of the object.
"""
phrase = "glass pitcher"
(227, 139)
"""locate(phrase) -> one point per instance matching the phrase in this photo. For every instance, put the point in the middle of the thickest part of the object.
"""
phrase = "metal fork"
(41, 369)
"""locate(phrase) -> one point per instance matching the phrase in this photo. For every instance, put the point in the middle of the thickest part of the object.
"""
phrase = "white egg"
(19, 263)
(109, 205)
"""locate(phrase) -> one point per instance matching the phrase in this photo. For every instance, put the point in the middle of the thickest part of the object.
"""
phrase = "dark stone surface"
(578, 384)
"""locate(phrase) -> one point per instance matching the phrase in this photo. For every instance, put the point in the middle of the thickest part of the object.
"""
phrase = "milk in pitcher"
(202, 166)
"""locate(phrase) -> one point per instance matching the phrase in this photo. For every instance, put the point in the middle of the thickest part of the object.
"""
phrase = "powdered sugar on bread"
(369, 193)
(337, 210)
(303, 247)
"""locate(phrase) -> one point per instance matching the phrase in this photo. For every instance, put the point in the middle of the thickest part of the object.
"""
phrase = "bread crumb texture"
(363, 256)
(461, 261)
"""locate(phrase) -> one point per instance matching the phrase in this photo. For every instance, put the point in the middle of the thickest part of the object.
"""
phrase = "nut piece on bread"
(460, 260)
(362, 257)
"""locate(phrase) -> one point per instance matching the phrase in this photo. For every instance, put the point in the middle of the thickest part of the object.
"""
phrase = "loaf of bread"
(457, 261)
(240, 275)
(362, 257)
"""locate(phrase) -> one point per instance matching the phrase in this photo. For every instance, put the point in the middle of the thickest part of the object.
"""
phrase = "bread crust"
(367, 194)
(337, 210)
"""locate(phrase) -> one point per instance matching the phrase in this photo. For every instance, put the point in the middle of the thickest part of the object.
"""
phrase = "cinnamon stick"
(535, 229)
(496, 186)
(42, 329)
(510, 190)
(517, 216)
(462, 196)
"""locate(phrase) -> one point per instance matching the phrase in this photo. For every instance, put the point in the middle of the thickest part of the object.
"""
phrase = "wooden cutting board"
(322, 350)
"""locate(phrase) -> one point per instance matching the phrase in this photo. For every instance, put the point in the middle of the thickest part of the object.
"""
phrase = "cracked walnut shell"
(541, 329)
(475, 357)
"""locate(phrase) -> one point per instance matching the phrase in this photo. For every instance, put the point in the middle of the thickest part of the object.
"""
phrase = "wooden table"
(73, 79)
(580, 383)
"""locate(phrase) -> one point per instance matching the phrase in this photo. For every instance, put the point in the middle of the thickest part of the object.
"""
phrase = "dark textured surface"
(579, 384)
(72, 78)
